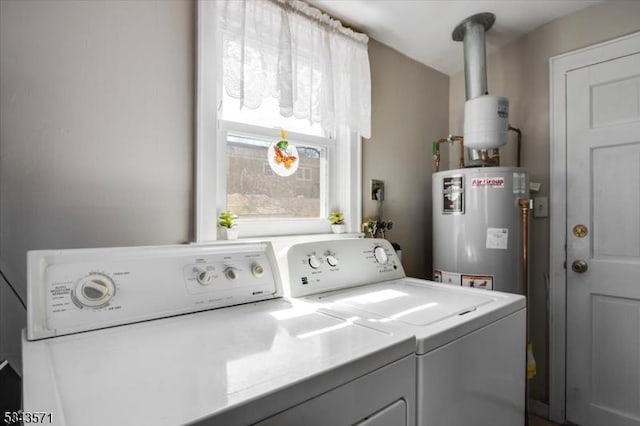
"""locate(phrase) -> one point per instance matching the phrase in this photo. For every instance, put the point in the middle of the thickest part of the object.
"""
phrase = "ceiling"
(421, 29)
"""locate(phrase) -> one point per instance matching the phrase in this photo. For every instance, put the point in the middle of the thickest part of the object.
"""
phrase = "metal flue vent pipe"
(471, 32)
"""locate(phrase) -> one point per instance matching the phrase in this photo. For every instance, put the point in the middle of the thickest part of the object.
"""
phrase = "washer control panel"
(316, 267)
(79, 290)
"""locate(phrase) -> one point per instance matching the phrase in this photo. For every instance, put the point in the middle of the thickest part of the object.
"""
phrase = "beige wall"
(96, 134)
(96, 131)
(520, 71)
(409, 110)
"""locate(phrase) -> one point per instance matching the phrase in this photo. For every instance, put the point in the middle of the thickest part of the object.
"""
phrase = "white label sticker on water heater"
(519, 183)
(453, 195)
(497, 238)
(450, 278)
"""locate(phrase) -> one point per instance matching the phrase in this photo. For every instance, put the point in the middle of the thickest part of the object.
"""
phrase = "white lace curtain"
(316, 69)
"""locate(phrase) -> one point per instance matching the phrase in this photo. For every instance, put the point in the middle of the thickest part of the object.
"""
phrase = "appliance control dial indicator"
(257, 270)
(231, 273)
(94, 291)
(314, 262)
(380, 255)
(332, 260)
(205, 277)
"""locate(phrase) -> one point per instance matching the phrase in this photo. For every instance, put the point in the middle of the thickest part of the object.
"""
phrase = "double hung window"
(264, 67)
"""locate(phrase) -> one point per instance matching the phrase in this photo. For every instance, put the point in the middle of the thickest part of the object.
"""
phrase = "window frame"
(254, 226)
(343, 155)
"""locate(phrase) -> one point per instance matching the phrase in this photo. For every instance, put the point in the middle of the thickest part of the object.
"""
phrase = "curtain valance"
(316, 68)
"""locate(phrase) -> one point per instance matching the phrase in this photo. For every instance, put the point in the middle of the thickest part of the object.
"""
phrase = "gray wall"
(520, 71)
(96, 131)
(410, 108)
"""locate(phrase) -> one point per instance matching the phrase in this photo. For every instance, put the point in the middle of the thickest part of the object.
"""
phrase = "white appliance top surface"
(436, 313)
(177, 370)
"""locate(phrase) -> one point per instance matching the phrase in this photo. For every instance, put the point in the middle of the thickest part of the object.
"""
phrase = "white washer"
(127, 336)
(470, 343)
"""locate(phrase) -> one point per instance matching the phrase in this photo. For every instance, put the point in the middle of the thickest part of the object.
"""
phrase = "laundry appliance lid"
(242, 363)
(436, 313)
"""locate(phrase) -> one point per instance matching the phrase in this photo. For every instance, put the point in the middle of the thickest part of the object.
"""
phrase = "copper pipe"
(524, 210)
(450, 139)
(524, 204)
(496, 157)
(519, 133)
(461, 140)
(436, 152)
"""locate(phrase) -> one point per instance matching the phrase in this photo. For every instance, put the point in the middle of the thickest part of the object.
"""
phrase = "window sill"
(280, 242)
(303, 238)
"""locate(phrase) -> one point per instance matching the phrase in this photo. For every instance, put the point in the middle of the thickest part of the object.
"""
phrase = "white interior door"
(603, 194)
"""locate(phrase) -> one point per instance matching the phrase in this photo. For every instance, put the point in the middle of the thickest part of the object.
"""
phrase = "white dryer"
(128, 336)
(470, 343)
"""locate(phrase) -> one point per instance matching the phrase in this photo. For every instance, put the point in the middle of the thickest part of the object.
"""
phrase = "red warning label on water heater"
(491, 182)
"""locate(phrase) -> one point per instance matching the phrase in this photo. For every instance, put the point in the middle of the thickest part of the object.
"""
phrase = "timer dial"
(94, 290)
(332, 260)
(380, 255)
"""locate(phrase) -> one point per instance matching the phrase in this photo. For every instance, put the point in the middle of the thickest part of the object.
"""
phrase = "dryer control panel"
(78, 290)
(316, 267)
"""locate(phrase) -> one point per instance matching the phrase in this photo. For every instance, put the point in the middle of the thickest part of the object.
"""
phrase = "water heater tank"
(486, 122)
(477, 227)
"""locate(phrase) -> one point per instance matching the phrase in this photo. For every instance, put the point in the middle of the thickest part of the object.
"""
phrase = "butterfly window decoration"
(283, 156)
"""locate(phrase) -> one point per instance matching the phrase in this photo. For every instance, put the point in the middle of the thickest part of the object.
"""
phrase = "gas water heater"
(479, 209)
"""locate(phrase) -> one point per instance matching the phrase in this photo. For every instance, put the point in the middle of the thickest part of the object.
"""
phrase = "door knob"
(579, 266)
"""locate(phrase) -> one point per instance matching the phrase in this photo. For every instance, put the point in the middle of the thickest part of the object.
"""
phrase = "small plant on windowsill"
(337, 222)
(228, 225)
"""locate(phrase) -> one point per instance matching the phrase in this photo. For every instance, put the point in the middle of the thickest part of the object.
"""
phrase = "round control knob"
(257, 271)
(380, 255)
(94, 290)
(314, 262)
(332, 260)
(231, 273)
(205, 277)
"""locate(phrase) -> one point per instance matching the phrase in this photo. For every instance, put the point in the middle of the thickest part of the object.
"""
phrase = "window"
(252, 194)
(240, 113)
